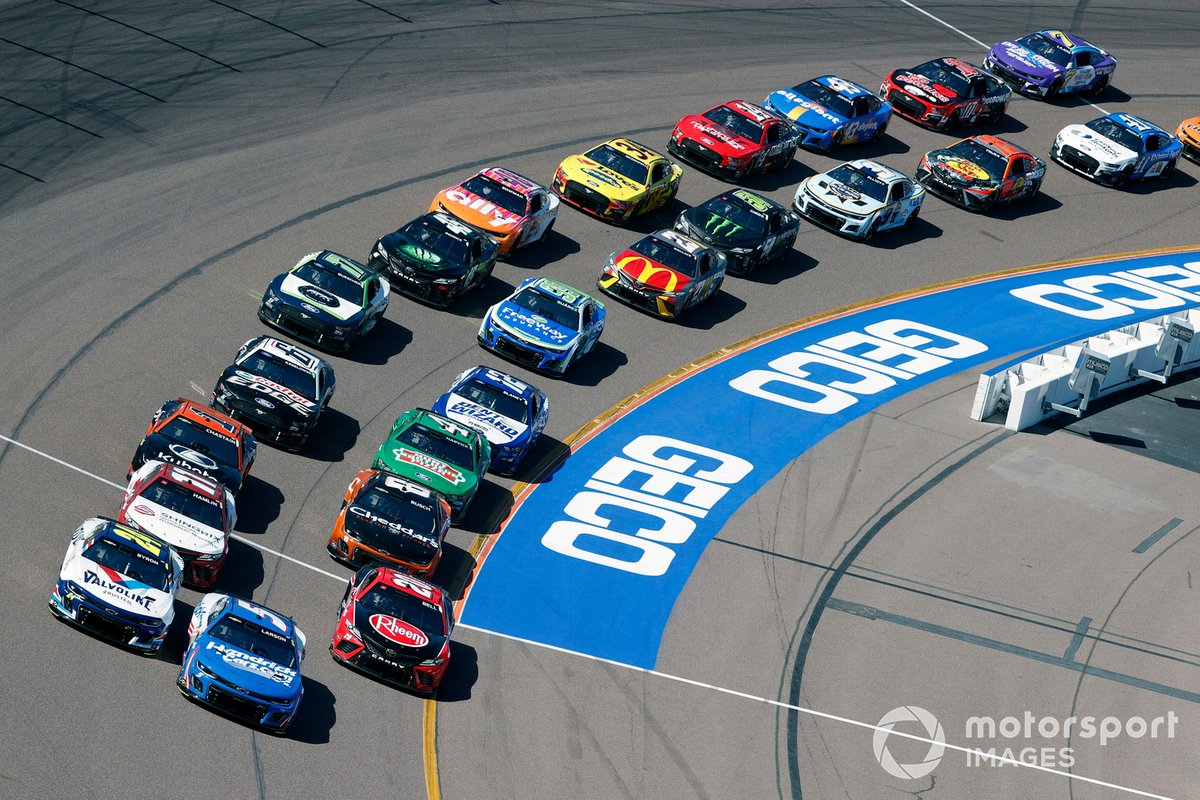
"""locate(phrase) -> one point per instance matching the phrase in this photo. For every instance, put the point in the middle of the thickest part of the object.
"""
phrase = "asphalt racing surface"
(159, 163)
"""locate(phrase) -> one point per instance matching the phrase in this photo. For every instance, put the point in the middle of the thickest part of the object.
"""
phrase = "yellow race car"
(617, 180)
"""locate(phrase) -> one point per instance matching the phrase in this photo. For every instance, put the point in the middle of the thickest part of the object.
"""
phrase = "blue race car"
(830, 111)
(1049, 63)
(545, 325)
(1117, 148)
(244, 659)
(509, 412)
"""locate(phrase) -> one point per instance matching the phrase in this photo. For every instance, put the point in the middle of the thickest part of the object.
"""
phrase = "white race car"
(1116, 148)
(859, 199)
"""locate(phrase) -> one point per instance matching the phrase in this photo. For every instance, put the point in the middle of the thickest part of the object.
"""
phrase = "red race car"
(734, 140)
(979, 172)
(396, 628)
(946, 92)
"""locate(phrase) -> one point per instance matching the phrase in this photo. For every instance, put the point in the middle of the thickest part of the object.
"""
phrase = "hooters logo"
(646, 272)
(398, 631)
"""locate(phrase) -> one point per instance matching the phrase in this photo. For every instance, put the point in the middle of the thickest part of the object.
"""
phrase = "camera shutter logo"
(933, 731)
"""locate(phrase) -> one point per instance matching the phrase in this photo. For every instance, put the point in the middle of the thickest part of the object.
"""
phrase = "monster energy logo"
(718, 225)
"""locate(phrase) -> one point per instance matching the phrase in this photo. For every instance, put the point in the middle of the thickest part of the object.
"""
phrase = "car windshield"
(1047, 47)
(857, 179)
(731, 120)
(433, 236)
(993, 163)
(185, 501)
(1118, 133)
(741, 215)
(619, 163)
(255, 639)
(501, 402)
(826, 97)
(420, 614)
(407, 509)
(549, 307)
(667, 254)
(939, 73)
(439, 445)
(330, 281)
(202, 440)
(281, 372)
(129, 562)
(496, 192)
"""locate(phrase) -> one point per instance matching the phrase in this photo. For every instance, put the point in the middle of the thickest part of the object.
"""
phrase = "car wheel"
(1122, 177)
(916, 212)
(1054, 88)
(546, 233)
(786, 161)
(1167, 170)
(836, 141)
(871, 230)
(879, 132)
(1100, 87)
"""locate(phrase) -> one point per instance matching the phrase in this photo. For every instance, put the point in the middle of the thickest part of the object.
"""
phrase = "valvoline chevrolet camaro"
(664, 273)
(617, 180)
(545, 325)
(830, 111)
(509, 207)
(946, 92)
(1049, 63)
(734, 140)
(980, 172)
(243, 659)
(1116, 148)
(509, 412)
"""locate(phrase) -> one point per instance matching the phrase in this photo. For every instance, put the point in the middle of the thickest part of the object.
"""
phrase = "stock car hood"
(1099, 147)
(174, 528)
(642, 271)
(320, 303)
(392, 538)
(498, 428)
(266, 394)
(478, 212)
(248, 671)
(720, 139)
(806, 112)
(1189, 131)
(838, 195)
(427, 470)
(714, 229)
(157, 447)
(1025, 62)
(921, 87)
(955, 170)
(611, 184)
(523, 323)
(395, 637)
(421, 259)
(114, 589)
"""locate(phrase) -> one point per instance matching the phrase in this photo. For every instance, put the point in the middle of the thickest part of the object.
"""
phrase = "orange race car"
(514, 210)
(1189, 136)
(390, 520)
(201, 439)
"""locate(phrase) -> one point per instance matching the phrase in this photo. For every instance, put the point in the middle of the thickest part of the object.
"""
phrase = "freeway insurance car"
(751, 230)
(390, 520)
(200, 439)
(859, 199)
(946, 92)
(439, 453)
(435, 258)
(396, 628)
(509, 412)
(243, 659)
(119, 583)
(545, 325)
(734, 140)
(664, 273)
(830, 111)
(509, 207)
(617, 180)
(1049, 63)
(980, 172)
(1188, 134)
(276, 389)
(1116, 148)
(193, 514)
(328, 299)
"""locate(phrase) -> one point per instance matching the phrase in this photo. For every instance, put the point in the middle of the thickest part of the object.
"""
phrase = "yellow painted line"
(254, 295)
(429, 736)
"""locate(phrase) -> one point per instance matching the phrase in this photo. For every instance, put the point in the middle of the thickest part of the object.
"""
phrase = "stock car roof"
(284, 351)
(437, 422)
(403, 581)
(258, 614)
(682, 243)
(635, 150)
(510, 180)
(749, 110)
(336, 262)
(1002, 147)
(557, 289)
(141, 542)
(207, 418)
(506, 383)
(847, 89)
(1068, 39)
(1142, 127)
(874, 168)
(963, 68)
(392, 484)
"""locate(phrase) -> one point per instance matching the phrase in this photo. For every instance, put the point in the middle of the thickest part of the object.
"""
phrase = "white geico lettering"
(1109, 296)
(639, 481)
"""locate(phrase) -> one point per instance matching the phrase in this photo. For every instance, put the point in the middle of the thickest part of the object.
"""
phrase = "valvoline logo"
(398, 631)
(118, 584)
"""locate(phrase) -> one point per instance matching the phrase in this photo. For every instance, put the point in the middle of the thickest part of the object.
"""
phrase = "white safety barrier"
(1063, 380)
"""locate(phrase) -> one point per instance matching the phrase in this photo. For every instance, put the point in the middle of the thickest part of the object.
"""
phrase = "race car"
(617, 180)
(191, 513)
(980, 172)
(118, 583)
(439, 453)
(276, 389)
(243, 659)
(327, 299)
(510, 208)
(859, 199)
(1188, 134)
(1049, 63)
(945, 92)
(396, 628)
(734, 140)
(435, 258)
(509, 412)
(830, 111)
(664, 273)
(751, 230)
(545, 325)
(1116, 148)
(200, 439)
(390, 520)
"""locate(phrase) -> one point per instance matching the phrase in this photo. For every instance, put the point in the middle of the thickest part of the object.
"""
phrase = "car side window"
(1083, 58)
(659, 172)
(1154, 142)
(895, 192)
(535, 203)
(1018, 167)
(774, 224)
(587, 315)
(772, 134)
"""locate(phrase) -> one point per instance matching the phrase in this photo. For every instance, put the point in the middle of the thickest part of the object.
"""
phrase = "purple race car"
(1049, 63)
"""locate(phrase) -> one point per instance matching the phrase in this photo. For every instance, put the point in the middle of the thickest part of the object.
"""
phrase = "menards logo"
(429, 464)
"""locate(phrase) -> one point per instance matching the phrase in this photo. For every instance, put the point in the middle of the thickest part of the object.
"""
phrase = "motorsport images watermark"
(1030, 739)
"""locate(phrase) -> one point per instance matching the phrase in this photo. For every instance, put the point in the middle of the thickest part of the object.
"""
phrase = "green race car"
(439, 453)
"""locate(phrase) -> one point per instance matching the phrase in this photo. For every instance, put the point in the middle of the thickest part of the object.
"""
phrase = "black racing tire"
(1100, 88)
(835, 141)
(879, 132)
(785, 162)
(1121, 179)
(912, 218)
(1167, 170)
(871, 230)
(1054, 88)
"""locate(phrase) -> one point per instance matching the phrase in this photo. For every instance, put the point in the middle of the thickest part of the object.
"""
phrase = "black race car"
(748, 228)
(435, 258)
(201, 439)
(945, 92)
(276, 389)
